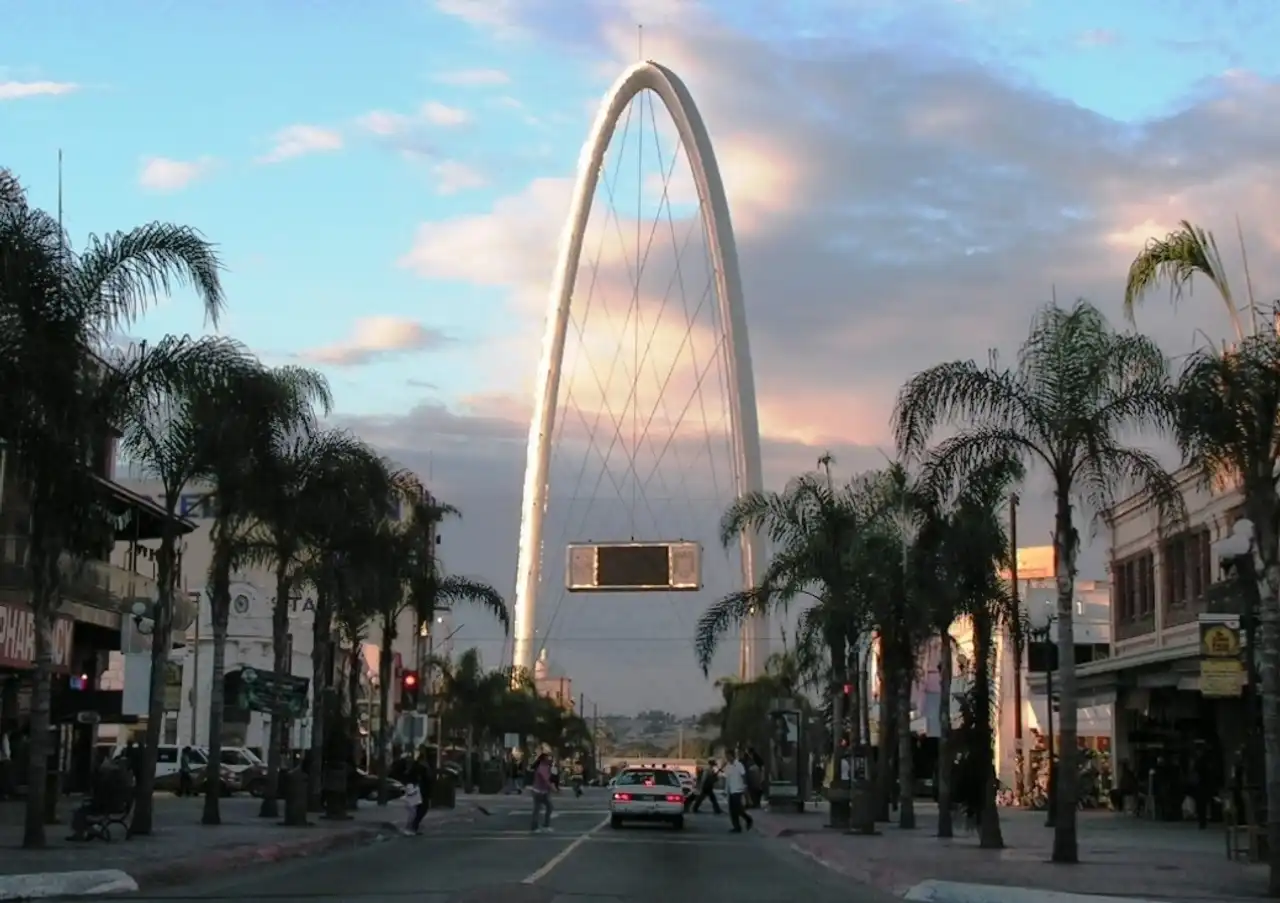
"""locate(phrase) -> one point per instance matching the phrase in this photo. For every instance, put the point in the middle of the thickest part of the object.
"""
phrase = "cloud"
(299, 140)
(165, 175)
(443, 115)
(376, 338)
(17, 90)
(474, 77)
(383, 123)
(453, 177)
(1098, 37)
(897, 203)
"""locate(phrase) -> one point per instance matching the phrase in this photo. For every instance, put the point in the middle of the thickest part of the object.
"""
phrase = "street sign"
(276, 694)
(633, 567)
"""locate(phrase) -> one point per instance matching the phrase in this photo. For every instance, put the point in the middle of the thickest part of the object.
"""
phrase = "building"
(249, 643)
(1165, 586)
(1092, 628)
(553, 683)
(98, 592)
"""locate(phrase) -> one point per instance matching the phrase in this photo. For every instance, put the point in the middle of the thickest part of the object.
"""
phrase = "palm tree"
(286, 476)
(348, 495)
(160, 440)
(1076, 387)
(1228, 423)
(238, 418)
(1176, 260)
(473, 695)
(57, 399)
(815, 531)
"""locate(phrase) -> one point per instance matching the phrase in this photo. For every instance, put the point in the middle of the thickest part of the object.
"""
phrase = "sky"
(387, 183)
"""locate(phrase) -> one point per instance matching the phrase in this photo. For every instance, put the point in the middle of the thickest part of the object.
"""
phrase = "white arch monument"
(744, 423)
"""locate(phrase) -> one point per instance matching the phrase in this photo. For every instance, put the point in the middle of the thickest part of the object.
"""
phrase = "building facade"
(1165, 583)
(249, 644)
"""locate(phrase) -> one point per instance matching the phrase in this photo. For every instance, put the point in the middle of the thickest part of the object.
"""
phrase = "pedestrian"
(424, 776)
(707, 788)
(541, 788)
(186, 786)
(6, 763)
(735, 779)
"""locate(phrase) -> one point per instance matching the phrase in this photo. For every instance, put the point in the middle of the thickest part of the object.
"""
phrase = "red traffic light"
(410, 679)
(848, 689)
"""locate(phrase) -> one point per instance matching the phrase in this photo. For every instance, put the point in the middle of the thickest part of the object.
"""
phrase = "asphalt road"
(497, 860)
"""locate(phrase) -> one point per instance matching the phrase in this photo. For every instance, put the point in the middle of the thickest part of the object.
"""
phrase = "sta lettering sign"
(18, 639)
(193, 505)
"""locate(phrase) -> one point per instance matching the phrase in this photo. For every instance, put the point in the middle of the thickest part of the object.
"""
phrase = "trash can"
(335, 793)
(294, 784)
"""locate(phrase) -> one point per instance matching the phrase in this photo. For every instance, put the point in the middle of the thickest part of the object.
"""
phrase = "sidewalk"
(1120, 856)
(181, 849)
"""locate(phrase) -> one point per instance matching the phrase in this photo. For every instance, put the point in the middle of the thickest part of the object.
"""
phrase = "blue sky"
(859, 139)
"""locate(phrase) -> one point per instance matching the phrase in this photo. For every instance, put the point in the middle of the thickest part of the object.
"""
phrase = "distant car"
(647, 794)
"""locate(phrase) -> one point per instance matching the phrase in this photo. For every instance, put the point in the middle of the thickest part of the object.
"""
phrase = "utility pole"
(595, 736)
(1019, 757)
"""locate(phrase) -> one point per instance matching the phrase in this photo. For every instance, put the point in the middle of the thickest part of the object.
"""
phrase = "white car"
(647, 794)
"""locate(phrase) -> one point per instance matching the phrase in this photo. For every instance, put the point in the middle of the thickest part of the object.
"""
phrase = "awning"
(138, 517)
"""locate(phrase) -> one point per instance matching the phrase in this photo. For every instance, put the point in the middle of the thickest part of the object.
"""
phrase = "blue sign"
(193, 505)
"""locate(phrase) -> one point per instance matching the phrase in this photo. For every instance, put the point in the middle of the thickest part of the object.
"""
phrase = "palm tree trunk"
(886, 734)
(384, 703)
(990, 836)
(43, 602)
(354, 665)
(945, 754)
(1269, 677)
(321, 627)
(161, 640)
(281, 665)
(1065, 778)
(906, 757)
(220, 608)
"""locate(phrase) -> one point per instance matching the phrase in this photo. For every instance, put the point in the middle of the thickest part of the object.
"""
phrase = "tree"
(57, 398)
(818, 534)
(1228, 424)
(237, 418)
(473, 696)
(287, 482)
(1176, 260)
(160, 439)
(1076, 387)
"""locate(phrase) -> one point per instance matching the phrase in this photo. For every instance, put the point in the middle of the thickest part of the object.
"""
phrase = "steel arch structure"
(744, 422)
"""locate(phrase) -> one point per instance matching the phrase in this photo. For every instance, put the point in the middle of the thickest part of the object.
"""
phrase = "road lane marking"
(563, 855)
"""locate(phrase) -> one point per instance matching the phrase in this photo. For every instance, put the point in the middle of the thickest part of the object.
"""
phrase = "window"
(167, 755)
(1134, 587)
(1186, 567)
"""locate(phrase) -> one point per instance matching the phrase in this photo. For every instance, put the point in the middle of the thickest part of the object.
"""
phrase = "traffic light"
(409, 690)
(847, 690)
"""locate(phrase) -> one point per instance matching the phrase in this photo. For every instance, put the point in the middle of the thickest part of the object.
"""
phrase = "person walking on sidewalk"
(424, 777)
(542, 788)
(735, 780)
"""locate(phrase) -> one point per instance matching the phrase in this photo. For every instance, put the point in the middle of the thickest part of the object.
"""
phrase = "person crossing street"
(735, 779)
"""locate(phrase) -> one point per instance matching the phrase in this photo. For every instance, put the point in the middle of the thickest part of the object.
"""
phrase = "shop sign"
(18, 639)
(1221, 665)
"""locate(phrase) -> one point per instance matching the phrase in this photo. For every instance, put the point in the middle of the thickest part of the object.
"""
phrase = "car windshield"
(238, 757)
(647, 779)
(196, 757)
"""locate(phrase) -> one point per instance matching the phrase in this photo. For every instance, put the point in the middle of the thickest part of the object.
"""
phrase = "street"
(497, 860)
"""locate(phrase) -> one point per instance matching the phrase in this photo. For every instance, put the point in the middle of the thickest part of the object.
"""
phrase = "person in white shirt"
(735, 784)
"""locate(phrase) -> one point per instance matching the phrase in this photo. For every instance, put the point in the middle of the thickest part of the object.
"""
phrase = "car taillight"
(674, 798)
(622, 797)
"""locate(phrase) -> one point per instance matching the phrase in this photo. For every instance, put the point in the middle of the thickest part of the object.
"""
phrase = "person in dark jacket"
(424, 775)
(706, 789)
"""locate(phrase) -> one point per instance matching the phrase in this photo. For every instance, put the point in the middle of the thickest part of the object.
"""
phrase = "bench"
(98, 821)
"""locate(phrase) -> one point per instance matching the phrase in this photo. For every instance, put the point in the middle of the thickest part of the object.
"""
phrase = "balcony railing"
(94, 583)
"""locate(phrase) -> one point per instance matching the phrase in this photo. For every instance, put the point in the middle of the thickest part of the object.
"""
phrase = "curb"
(190, 869)
(41, 886)
(958, 892)
(864, 877)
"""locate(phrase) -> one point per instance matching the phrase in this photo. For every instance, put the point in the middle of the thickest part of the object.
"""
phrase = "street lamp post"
(1235, 553)
(1040, 621)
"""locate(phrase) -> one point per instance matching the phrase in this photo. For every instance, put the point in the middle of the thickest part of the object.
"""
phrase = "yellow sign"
(1221, 677)
(1221, 640)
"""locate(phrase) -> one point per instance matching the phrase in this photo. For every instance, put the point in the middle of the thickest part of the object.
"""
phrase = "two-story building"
(1163, 586)
(98, 588)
